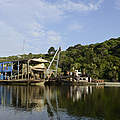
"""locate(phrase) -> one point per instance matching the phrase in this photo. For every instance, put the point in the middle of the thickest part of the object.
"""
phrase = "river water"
(59, 103)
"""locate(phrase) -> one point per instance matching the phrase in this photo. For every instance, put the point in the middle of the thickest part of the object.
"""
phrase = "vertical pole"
(11, 70)
(11, 75)
(28, 68)
(22, 71)
(44, 74)
(25, 71)
(3, 72)
(5, 75)
(18, 70)
(57, 62)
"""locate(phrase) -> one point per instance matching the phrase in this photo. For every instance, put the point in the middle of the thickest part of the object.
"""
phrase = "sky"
(33, 26)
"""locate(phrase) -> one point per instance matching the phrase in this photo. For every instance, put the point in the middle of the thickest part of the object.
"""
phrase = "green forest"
(100, 60)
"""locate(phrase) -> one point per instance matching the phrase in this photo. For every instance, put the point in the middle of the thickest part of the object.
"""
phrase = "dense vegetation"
(99, 104)
(100, 60)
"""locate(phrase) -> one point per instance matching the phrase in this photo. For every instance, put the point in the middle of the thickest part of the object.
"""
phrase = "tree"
(30, 55)
(51, 51)
(100, 60)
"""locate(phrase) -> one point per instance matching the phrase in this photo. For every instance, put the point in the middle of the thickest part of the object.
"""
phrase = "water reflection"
(60, 102)
(24, 98)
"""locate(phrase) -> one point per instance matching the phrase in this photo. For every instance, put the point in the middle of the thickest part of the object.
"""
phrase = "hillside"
(100, 60)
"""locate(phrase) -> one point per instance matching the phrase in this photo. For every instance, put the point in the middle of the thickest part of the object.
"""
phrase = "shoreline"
(61, 82)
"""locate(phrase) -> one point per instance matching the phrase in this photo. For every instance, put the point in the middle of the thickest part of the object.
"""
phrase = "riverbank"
(54, 82)
(82, 82)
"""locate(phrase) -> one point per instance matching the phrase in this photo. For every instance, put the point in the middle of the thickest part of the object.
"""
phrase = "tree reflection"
(77, 101)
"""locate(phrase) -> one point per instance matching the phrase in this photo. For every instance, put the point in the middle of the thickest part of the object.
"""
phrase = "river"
(59, 103)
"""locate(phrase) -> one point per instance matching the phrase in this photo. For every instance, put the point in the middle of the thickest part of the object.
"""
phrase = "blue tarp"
(7, 67)
(1, 67)
(4, 68)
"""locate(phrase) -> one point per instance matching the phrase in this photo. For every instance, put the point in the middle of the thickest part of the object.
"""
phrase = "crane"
(57, 54)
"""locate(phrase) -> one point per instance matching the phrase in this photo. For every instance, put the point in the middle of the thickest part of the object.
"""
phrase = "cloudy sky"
(35, 25)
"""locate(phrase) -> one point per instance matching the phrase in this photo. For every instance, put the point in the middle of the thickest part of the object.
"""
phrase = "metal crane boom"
(53, 59)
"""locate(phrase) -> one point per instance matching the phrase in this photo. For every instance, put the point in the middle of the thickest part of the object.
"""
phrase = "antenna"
(24, 46)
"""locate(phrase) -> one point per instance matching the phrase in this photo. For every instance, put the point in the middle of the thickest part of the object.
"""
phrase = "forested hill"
(100, 61)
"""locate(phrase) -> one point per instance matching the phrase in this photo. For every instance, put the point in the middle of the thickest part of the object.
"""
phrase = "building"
(23, 69)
